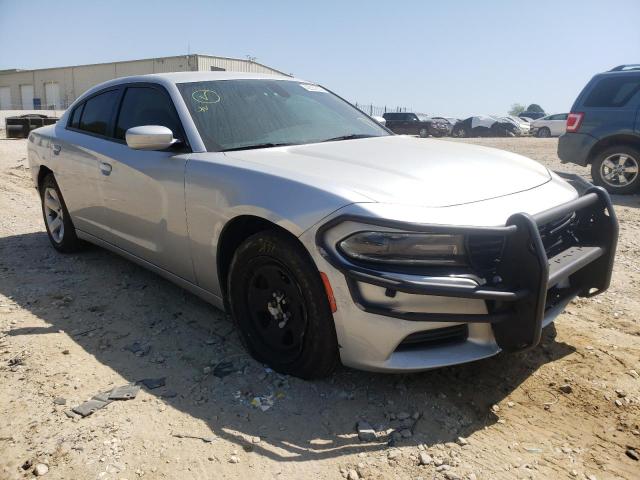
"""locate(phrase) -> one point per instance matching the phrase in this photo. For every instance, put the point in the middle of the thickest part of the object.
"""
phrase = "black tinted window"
(146, 106)
(97, 112)
(613, 92)
(391, 116)
(74, 121)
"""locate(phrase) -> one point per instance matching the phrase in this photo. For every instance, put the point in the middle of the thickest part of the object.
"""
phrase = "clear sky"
(439, 57)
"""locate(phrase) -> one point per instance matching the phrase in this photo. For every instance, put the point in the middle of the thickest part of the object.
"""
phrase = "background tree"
(516, 109)
(534, 107)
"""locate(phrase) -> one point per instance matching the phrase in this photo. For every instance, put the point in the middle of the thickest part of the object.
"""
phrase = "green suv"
(603, 130)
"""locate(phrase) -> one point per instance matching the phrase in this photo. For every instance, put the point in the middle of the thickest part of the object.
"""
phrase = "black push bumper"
(526, 283)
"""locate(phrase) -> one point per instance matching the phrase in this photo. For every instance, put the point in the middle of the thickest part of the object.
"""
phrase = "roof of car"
(185, 77)
(182, 77)
(625, 68)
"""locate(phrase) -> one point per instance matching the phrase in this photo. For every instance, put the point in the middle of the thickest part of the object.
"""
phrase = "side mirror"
(149, 137)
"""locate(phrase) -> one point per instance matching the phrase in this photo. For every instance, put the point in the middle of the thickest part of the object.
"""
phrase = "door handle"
(105, 168)
(56, 148)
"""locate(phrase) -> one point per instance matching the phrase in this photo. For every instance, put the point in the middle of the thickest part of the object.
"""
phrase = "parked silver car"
(550, 126)
(324, 235)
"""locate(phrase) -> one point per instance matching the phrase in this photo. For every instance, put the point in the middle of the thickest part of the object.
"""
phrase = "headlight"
(405, 248)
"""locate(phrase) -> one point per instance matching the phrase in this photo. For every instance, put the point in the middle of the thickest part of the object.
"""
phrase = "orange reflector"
(329, 290)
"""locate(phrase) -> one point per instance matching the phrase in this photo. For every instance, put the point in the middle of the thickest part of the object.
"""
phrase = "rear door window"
(147, 106)
(74, 121)
(97, 113)
(613, 92)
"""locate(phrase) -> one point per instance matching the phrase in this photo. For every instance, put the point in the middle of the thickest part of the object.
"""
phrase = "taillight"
(574, 120)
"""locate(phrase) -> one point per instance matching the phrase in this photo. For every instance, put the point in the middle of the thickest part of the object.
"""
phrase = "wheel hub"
(278, 309)
(54, 214)
(619, 170)
(277, 312)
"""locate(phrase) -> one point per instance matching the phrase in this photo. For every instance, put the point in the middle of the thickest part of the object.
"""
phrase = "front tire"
(279, 303)
(544, 132)
(424, 133)
(60, 229)
(616, 169)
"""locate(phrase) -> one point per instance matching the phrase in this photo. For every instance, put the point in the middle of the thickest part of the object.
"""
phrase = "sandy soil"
(66, 322)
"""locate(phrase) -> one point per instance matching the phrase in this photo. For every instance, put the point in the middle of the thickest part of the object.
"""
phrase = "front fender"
(217, 191)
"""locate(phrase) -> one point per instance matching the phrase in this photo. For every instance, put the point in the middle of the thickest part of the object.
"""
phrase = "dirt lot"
(76, 325)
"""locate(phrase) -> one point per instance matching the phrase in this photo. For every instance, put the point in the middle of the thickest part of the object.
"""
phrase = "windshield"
(242, 114)
(422, 117)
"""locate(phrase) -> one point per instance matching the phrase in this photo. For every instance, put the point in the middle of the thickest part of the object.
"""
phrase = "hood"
(403, 170)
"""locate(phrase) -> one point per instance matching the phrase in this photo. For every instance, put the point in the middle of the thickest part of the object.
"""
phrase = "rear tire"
(279, 303)
(616, 169)
(57, 221)
(544, 132)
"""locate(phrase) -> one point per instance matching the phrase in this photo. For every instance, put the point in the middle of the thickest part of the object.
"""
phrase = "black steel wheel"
(277, 313)
(280, 306)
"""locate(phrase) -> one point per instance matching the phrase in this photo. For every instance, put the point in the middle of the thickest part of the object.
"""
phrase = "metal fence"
(378, 111)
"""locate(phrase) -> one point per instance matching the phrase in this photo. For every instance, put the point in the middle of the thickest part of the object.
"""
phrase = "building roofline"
(242, 60)
(27, 70)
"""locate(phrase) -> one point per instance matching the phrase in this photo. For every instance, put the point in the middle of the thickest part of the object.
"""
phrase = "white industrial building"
(57, 88)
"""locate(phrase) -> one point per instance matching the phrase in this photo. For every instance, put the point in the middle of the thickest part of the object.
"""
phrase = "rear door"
(79, 149)
(143, 191)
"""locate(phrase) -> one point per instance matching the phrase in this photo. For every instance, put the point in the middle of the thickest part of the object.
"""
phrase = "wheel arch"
(42, 173)
(603, 144)
(236, 231)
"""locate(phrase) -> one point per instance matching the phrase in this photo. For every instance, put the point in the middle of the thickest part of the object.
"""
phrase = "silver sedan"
(324, 235)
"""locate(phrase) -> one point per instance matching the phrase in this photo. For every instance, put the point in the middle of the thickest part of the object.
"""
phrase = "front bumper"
(527, 291)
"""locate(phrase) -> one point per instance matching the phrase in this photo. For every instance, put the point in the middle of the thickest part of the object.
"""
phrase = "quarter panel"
(39, 150)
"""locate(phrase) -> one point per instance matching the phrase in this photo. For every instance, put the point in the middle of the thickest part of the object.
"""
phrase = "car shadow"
(107, 304)
(632, 201)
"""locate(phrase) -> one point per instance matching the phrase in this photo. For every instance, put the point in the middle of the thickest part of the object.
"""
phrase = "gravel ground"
(72, 326)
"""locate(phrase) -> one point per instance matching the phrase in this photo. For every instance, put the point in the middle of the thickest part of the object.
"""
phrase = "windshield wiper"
(258, 145)
(352, 136)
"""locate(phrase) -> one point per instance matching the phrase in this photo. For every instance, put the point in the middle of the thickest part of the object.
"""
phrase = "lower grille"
(434, 338)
